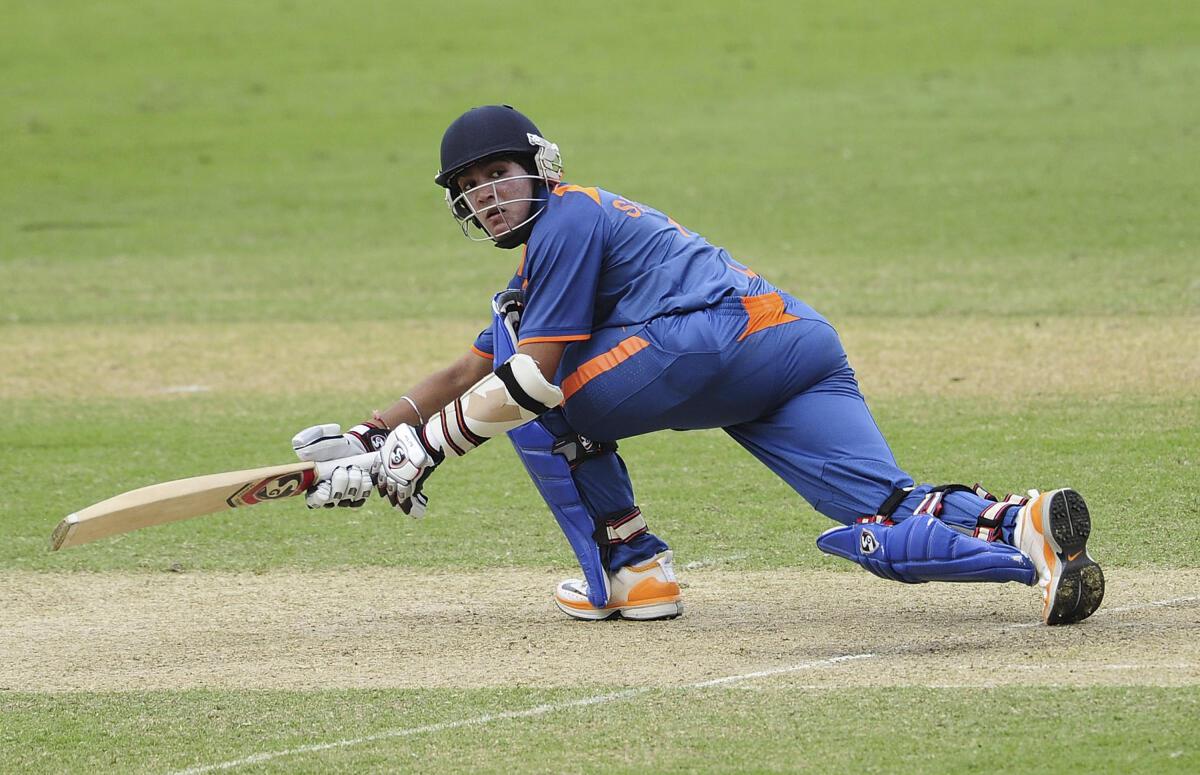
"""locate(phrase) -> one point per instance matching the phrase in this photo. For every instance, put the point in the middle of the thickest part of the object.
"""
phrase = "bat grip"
(366, 460)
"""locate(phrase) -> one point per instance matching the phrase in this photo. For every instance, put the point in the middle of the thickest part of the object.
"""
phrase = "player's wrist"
(369, 435)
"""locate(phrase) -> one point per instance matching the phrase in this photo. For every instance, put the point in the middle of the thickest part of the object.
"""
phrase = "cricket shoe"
(1052, 531)
(646, 591)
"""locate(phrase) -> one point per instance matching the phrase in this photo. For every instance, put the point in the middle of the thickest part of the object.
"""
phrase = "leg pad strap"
(987, 525)
(621, 528)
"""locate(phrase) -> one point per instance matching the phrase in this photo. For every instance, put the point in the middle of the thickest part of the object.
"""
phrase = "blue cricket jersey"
(597, 260)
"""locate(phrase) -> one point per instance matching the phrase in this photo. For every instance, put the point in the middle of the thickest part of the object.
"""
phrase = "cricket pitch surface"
(393, 628)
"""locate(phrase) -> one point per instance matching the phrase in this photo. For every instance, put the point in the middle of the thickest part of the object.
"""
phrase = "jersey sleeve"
(483, 346)
(562, 272)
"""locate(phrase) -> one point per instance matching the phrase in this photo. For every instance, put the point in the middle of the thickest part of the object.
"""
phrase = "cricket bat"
(159, 504)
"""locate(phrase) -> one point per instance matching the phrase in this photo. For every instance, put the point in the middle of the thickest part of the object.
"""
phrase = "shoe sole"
(1077, 585)
(642, 613)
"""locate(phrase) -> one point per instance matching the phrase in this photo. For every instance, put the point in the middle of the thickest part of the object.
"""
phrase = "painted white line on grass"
(537, 710)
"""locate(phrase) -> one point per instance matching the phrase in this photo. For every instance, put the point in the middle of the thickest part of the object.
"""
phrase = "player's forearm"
(436, 391)
(498, 402)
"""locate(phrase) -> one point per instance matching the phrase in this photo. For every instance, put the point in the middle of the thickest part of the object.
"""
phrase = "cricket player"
(621, 321)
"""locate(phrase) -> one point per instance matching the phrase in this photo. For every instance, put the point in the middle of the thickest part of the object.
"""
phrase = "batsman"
(621, 321)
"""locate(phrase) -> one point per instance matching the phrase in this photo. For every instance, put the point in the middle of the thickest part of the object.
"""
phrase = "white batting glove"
(347, 486)
(405, 463)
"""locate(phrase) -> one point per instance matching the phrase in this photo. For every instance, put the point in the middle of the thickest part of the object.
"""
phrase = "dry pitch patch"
(390, 628)
(393, 628)
(1091, 357)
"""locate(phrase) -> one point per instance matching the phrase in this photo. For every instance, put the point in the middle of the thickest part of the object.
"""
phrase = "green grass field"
(218, 225)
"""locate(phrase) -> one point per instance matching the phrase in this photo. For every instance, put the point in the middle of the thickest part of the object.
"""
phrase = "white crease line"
(730, 679)
(706, 562)
(538, 710)
(1111, 666)
(1151, 604)
(599, 699)
(186, 389)
(1120, 610)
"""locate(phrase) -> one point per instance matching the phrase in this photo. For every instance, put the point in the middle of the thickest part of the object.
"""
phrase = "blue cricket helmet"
(494, 130)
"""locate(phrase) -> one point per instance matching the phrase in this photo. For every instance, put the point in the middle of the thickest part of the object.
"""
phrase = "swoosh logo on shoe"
(1071, 557)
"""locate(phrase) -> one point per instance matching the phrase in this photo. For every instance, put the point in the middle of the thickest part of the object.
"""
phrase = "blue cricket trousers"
(772, 373)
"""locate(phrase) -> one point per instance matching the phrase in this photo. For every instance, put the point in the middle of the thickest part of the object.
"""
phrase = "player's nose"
(483, 194)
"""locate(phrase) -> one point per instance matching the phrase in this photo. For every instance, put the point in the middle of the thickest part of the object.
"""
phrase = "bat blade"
(181, 499)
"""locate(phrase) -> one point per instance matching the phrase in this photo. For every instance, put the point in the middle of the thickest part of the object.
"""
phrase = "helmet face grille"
(470, 219)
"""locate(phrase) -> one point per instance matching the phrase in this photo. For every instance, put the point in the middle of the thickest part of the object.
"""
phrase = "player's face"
(499, 193)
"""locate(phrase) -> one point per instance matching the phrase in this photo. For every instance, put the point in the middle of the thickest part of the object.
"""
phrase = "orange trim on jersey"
(602, 363)
(521, 268)
(765, 311)
(567, 338)
(482, 354)
(564, 188)
(743, 270)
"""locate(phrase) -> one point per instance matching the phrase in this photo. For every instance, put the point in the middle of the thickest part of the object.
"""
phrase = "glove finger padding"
(339, 481)
(414, 507)
(349, 484)
(360, 485)
(317, 496)
(346, 487)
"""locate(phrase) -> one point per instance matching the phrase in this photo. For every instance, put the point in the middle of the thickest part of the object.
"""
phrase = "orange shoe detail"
(643, 567)
(581, 605)
(1036, 516)
(646, 591)
(652, 590)
(1052, 531)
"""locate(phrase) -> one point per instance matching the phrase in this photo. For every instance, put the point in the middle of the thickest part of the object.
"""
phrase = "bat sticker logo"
(271, 489)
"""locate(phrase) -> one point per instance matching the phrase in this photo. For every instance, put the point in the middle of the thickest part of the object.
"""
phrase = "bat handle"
(366, 460)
